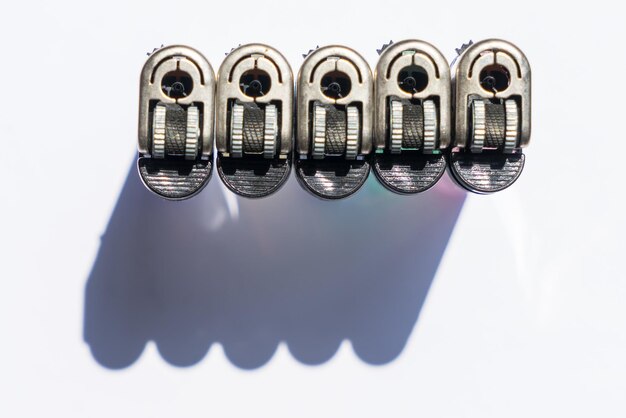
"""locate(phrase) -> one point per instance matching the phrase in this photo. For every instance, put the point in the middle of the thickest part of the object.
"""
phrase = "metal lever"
(176, 122)
(492, 125)
(412, 122)
(335, 93)
(254, 120)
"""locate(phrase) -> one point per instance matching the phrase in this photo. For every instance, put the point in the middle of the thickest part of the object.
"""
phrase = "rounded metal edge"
(462, 66)
(477, 48)
(207, 72)
(242, 51)
(442, 65)
(422, 46)
(173, 50)
(340, 51)
(303, 88)
(287, 125)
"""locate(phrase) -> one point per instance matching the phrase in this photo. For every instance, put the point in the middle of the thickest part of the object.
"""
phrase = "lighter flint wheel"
(479, 125)
(158, 132)
(512, 126)
(270, 133)
(193, 133)
(431, 126)
(319, 131)
(236, 129)
(396, 126)
(352, 133)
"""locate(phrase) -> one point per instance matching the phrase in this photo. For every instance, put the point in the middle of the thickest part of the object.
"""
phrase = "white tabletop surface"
(114, 303)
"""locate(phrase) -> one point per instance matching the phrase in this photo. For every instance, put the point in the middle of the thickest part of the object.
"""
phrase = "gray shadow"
(287, 268)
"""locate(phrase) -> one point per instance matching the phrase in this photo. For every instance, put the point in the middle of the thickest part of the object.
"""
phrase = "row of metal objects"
(407, 122)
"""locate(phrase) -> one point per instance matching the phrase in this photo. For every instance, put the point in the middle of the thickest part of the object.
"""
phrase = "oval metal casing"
(176, 116)
(334, 122)
(254, 121)
(412, 117)
(492, 82)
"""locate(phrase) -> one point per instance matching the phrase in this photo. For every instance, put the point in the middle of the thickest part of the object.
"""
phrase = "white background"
(525, 316)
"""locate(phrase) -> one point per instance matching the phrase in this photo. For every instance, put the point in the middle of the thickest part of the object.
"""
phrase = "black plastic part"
(487, 172)
(253, 176)
(332, 177)
(409, 172)
(174, 179)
